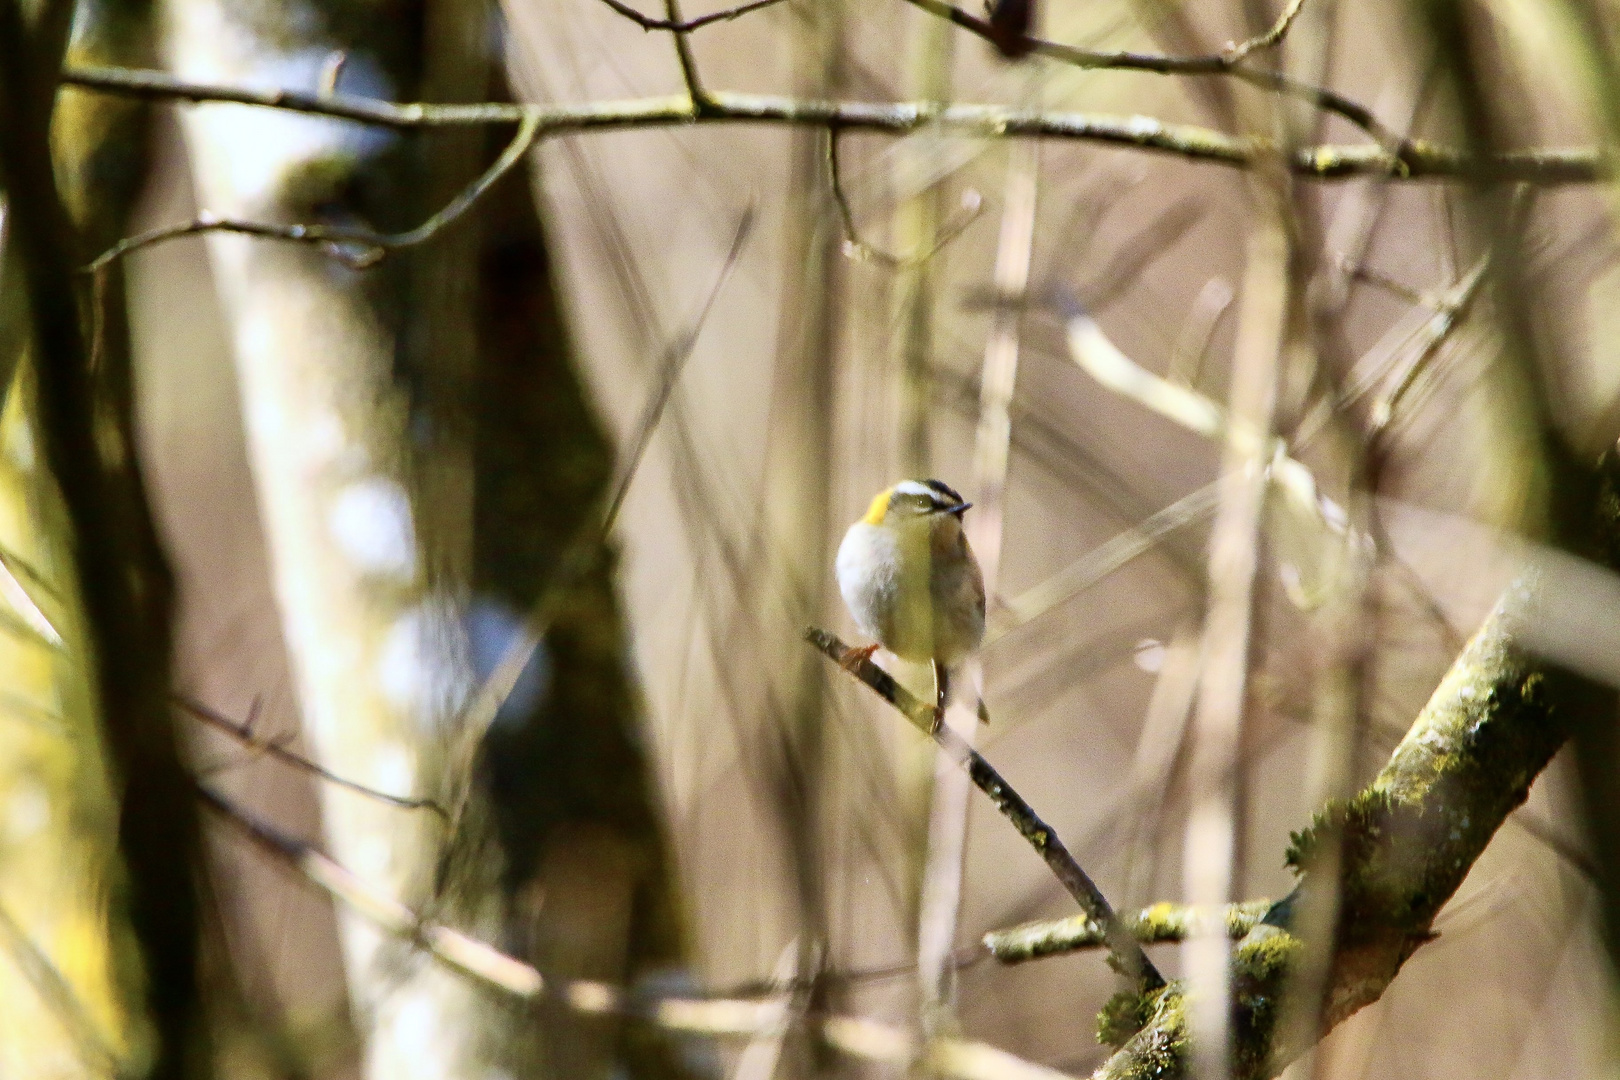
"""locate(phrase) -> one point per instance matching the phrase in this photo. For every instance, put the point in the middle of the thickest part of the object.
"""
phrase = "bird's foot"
(854, 658)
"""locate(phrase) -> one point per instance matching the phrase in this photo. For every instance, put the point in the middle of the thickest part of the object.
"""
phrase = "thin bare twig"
(244, 733)
(339, 240)
(1416, 160)
(686, 26)
(1042, 837)
(857, 248)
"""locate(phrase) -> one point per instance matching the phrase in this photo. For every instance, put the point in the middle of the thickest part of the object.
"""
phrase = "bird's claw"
(854, 658)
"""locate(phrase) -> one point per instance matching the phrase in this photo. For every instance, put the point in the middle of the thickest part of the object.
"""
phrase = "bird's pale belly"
(932, 614)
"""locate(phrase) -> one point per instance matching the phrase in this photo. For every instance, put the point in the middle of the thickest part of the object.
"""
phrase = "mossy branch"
(1160, 923)
(1407, 842)
(1126, 952)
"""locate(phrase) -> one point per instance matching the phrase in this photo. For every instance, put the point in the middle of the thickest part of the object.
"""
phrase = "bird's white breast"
(867, 567)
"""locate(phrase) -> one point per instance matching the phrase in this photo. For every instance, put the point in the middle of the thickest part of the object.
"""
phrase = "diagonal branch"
(1126, 953)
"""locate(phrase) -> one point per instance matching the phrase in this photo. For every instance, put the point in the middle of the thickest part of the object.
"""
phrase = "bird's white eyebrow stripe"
(939, 496)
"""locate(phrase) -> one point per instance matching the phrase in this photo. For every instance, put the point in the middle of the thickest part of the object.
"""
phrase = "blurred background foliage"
(362, 483)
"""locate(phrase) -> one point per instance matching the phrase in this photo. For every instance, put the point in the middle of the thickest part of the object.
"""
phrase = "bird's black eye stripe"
(950, 497)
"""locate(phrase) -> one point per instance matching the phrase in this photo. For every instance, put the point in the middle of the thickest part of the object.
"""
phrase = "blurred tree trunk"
(88, 604)
(421, 467)
(357, 459)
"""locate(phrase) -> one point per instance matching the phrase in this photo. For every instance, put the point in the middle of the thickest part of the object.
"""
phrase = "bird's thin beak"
(960, 510)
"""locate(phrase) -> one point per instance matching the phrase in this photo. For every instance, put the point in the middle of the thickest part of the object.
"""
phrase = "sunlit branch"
(1154, 925)
(871, 1040)
(1415, 160)
(1450, 307)
(1401, 359)
(679, 26)
(243, 732)
(32, 622)
(1041, 836)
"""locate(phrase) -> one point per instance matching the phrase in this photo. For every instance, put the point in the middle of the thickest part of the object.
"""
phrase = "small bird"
(910, 580)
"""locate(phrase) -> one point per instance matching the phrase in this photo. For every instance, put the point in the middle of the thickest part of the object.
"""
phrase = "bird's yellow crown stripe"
(879, 507)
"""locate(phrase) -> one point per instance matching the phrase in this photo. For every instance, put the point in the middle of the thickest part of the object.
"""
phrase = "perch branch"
(1415, 159)
(1127, 954)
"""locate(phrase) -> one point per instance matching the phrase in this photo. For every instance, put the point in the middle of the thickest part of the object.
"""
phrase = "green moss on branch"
(1151, 925)
(1405, 843)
